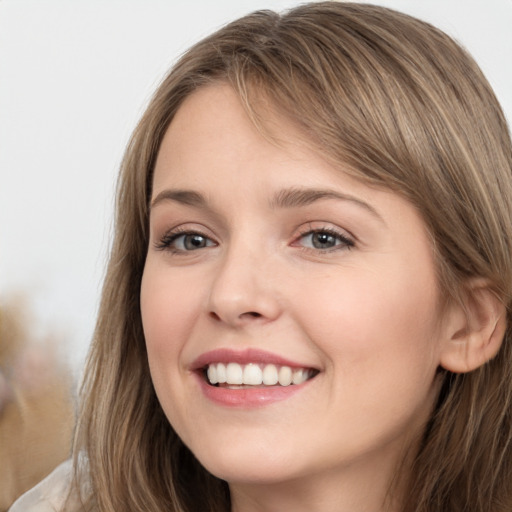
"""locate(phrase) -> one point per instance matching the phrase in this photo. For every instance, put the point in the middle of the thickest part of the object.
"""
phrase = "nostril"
(252, 314)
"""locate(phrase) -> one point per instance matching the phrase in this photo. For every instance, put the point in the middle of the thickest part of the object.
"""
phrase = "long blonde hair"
(405, 108)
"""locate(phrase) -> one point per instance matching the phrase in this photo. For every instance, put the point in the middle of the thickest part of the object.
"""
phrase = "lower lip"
(248, 397)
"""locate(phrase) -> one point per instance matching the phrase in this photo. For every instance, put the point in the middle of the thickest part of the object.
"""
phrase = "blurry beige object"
(36, 409)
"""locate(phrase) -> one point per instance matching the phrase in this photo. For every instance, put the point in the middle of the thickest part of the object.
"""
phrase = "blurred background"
(74, 78)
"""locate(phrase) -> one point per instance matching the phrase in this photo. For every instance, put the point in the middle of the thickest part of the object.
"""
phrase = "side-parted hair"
(401, 106)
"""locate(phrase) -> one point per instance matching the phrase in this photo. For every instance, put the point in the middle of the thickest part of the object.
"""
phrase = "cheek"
(168, 306)
(377, 330)
(169, 313)
(382, 357)
(168, 310)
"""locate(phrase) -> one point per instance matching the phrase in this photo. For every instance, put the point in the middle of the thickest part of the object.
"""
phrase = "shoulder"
(50, 494)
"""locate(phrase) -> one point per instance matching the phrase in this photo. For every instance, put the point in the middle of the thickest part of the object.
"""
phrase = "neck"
(358, 486)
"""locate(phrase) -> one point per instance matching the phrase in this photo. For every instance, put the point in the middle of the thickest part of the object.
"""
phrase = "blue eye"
(185, 242)
(325, 239)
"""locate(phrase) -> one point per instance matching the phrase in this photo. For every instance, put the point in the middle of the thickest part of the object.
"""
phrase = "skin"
(366, 315)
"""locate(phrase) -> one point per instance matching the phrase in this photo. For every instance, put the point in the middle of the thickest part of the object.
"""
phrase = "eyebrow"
(294, 197)
(287, 198)
(188, 197)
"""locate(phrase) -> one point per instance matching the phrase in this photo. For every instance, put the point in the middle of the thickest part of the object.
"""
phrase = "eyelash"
(166, 243)
(170, 238)
(345, 241)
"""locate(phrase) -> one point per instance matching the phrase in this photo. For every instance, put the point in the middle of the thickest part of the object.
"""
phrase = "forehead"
(217, 107)
(213, 129)
(214, 148)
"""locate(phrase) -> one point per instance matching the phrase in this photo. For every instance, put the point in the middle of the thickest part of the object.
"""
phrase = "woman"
(307, 305)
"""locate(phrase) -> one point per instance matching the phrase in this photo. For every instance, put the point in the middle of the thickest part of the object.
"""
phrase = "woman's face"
(266, 264)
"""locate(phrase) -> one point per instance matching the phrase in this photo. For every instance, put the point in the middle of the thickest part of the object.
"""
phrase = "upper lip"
(249, 355)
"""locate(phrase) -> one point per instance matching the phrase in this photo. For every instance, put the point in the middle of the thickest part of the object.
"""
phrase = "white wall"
(74, 77)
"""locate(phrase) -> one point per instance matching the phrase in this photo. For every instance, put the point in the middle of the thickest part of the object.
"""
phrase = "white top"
(49, 495)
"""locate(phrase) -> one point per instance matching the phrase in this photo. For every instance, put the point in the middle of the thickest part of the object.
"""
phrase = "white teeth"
(212, 374)
(285, 375)
(254, 374)
(270, 377)
(298, 377)
(234, 374)
(221, 373)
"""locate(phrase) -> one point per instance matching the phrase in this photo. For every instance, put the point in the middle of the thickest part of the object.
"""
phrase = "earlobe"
(475, 329)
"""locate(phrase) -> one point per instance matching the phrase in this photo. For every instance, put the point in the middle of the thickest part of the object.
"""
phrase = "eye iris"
(192, 242)
(323, 240)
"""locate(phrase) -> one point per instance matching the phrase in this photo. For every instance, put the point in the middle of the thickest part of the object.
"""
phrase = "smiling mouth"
(242, 376)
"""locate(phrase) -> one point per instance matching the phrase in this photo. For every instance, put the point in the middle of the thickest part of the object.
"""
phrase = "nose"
(244, 289)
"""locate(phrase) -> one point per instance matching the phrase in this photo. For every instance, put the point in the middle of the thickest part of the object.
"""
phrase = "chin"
(250, 467)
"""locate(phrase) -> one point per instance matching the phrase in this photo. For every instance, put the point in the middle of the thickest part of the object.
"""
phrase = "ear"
(474, 329)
